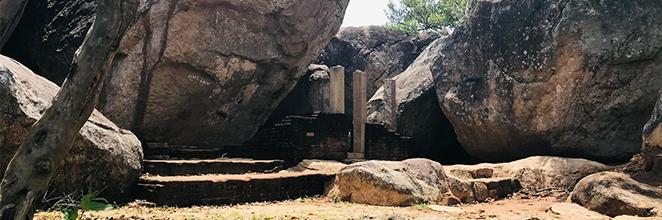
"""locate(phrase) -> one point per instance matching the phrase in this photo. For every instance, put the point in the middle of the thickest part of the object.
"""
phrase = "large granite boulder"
(574, 78)
(49, 33)
(614, 194)
(380, 52)
(103, 156)
(418, 113)
(393, 183)
(209, 73)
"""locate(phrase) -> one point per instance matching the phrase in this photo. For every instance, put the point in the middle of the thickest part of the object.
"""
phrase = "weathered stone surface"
(322, 166)
(646, 167)
(614, 194)
(537, 172)
(380, 52)
(209, 73)
(48, 35)
(219, 189)
(392, 183)
(469, 190)
(418, 112)
(103, 155)
(574, 78)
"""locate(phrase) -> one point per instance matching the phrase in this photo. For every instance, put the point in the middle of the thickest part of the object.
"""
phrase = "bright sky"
(365, 12)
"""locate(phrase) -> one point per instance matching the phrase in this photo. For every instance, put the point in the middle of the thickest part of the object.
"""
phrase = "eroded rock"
(538, 172)
(418, 112)
(566, 78)
(209, 73)
(103, 156)
(646, 166)
(614, 194)
(393, 183)
(380, 52)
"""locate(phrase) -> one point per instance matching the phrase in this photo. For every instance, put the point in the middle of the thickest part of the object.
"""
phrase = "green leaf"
(86, 200)
(69, 214)
(100, 200)
(97, 206)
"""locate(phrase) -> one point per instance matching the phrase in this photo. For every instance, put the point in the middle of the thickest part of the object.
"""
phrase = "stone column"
(337, 90)
(390, 105)
(360, 110)
(319, 91)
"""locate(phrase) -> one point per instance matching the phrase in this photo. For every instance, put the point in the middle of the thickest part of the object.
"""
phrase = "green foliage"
(421, 15)
(69, 213)
(421, 206)
(88, 202)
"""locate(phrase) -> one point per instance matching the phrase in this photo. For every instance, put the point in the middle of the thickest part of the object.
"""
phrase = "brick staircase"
(185, 176)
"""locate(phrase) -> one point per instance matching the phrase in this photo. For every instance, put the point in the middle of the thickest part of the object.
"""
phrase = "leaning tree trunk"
(11, 12)
(50, 139)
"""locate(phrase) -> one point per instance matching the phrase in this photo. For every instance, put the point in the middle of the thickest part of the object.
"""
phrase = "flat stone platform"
(211, 166)
(230, 189)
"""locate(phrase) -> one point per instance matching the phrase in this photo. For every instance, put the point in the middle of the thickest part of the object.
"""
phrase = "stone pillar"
(319, 91)
(337, 90)
(360, 110)
(390, 105)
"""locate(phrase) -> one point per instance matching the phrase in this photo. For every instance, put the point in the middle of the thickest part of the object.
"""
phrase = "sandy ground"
(320, 208)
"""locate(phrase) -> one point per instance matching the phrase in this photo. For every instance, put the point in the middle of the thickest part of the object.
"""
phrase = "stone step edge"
(195, 161)
(227, 177)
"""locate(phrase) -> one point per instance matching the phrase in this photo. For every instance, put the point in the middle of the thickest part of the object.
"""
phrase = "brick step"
(229, 189)
(160, 151)
(218, 166)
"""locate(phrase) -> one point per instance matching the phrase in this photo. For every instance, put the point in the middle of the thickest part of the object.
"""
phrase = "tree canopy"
(420, 15)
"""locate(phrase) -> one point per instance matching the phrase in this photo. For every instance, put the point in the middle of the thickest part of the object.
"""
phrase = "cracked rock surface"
(573, 78)
(209, 73)
(103, 156)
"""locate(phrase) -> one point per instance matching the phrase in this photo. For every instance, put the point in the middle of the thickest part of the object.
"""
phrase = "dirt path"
(324, 209)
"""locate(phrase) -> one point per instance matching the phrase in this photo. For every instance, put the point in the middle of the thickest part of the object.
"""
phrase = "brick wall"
(384, 145)
(320, 136)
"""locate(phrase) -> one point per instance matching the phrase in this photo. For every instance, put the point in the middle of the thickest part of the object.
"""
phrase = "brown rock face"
(418, 112)
(391, 183)
(646, 166)
(572, 78)
(209, 73)
(103, 156)
(614, 194)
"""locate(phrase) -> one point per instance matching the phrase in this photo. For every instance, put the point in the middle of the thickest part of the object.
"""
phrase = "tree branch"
(50, 139)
